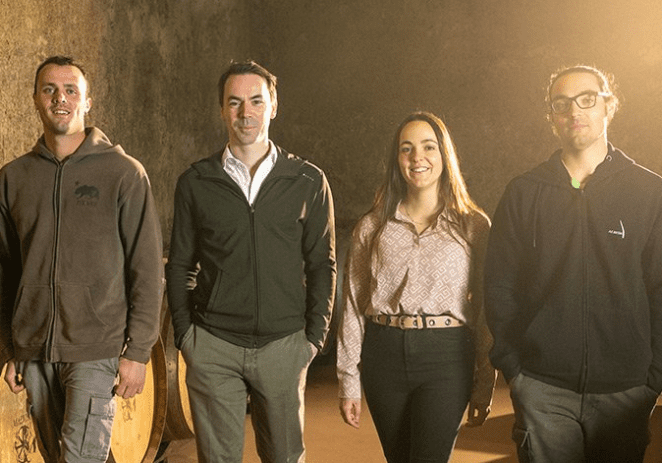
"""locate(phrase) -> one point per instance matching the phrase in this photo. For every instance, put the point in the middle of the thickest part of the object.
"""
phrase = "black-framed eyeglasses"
(584, 100)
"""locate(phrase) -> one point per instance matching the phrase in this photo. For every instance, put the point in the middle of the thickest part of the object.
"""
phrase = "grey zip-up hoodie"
(573, 278)
(81, 260)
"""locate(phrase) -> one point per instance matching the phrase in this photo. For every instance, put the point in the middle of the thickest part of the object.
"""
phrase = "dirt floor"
(329, 440)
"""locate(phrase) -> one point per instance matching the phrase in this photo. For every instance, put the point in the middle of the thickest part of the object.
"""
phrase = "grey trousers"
(556, 425)
(220, 376)
(73, 407)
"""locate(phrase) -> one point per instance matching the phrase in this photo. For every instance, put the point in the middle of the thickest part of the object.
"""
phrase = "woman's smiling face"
(419, 156)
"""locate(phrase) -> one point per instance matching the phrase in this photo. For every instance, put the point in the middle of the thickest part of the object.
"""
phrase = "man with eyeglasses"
(573, 287)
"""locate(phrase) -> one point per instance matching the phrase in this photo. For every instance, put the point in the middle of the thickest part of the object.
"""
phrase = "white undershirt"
(238, 171)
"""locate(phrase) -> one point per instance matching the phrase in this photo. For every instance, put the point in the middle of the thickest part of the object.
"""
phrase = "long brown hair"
(454, 199)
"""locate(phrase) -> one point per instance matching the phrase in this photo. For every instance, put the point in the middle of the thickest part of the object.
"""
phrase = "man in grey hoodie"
(80, 272)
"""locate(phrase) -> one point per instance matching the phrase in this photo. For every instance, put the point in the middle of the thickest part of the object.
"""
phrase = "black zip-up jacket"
(251, 275)
(573, 278)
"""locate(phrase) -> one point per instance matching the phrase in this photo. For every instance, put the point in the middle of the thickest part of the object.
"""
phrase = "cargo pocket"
(96, 441)
(523, 443)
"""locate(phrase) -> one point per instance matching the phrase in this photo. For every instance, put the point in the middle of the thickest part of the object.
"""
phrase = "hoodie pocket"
(32, 315)
(80, 322)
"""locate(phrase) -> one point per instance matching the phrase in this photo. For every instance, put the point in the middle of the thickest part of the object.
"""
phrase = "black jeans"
(417, 385)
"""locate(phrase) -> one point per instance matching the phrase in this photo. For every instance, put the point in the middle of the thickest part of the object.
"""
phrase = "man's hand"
(12, 379)
(131, 378)
(477, 414)
(350, 409)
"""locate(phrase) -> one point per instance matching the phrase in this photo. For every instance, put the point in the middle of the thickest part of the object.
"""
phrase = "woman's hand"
(350, 409)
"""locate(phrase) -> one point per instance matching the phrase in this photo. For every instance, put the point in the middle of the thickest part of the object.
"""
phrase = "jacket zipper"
(256, 272)
(256, 280)
(585, 291)
(251, 209)
(57, 206)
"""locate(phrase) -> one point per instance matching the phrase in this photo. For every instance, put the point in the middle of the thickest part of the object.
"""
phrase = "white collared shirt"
(238, 171)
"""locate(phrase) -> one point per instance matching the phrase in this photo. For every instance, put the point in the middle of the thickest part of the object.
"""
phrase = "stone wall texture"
(349, 71)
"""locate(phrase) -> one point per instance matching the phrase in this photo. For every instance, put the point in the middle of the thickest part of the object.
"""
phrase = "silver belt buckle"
(416, 321)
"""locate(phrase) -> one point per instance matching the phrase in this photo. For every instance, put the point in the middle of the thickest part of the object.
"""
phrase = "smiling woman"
(421, 167)
(412, 309)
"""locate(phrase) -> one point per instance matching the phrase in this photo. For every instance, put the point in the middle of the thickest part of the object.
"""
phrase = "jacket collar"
(554, 172)
(95, 142)
(287, 165)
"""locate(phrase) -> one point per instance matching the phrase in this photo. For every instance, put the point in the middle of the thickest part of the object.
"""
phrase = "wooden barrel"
(18, 442)
(654, 449)
(179, 421)
(140, 420)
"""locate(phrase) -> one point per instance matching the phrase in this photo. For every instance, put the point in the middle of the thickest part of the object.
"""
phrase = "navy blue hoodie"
(573, 278)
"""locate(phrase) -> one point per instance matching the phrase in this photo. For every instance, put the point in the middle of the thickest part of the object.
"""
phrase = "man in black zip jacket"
(574, 287)
(251, 278)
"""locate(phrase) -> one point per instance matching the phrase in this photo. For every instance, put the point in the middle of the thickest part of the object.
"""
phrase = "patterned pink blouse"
(431, 273)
